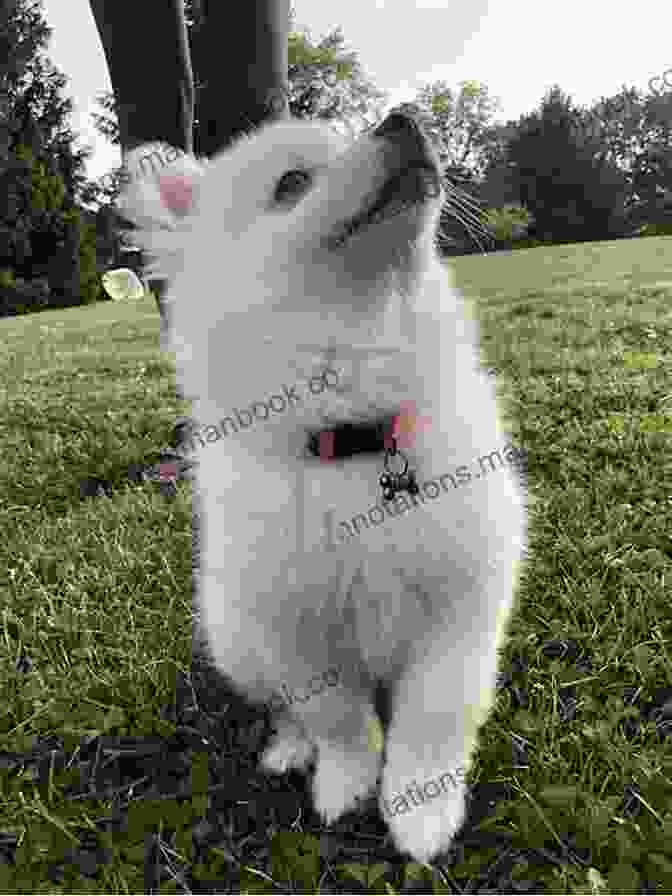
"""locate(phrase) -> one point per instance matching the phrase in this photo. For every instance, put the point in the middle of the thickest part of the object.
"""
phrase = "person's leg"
(247, 85)
(147, 52)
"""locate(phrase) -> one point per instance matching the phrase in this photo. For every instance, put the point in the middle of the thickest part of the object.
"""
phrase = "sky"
(519, 49)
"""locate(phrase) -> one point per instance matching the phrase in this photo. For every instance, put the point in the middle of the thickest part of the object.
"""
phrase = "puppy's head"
(293, 236)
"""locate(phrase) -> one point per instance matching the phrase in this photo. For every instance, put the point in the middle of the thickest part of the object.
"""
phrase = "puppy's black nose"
(398, 124)
(402, 131)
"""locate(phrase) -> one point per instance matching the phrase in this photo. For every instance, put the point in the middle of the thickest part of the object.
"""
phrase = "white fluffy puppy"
(303, 270)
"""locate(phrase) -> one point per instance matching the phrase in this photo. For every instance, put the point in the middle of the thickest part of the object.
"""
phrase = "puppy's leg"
(336, 717)
(340, 721)
(348, 763)
(291, 747)
(442, 699)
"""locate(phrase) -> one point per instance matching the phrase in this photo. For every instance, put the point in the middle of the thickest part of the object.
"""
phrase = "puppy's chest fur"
(314, 536)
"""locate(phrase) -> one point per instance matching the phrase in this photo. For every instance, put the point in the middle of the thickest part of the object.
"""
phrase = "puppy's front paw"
(289, 749)
(425, 828)
(343, 778)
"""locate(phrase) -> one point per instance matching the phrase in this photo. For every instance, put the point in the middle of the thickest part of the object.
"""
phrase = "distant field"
(574, 775)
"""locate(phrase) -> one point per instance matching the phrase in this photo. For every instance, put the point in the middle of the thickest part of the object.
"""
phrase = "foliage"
(326, 82)
(22, 33)
(508, 224)
(635, 131)
(498, 186)
(628, 130)
(460, 125)
(656, 230)
(89, 279)
(574, 191)
(40, 171)
(24, 296)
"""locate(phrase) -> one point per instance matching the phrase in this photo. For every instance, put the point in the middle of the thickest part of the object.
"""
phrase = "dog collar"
(370, 437)
(349, 439)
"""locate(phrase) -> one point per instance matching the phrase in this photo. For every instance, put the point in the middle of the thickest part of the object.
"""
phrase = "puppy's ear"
(160, 186)
(178, 192)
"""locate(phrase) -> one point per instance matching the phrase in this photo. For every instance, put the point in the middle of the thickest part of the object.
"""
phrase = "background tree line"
(558, 174)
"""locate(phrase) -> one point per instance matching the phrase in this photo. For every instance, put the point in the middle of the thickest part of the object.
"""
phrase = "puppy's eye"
(291, 185)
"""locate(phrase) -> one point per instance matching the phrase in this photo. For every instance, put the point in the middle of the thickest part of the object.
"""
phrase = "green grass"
(575, 765)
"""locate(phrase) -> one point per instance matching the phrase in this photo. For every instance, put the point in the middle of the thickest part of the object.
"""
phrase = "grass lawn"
(115, 779)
